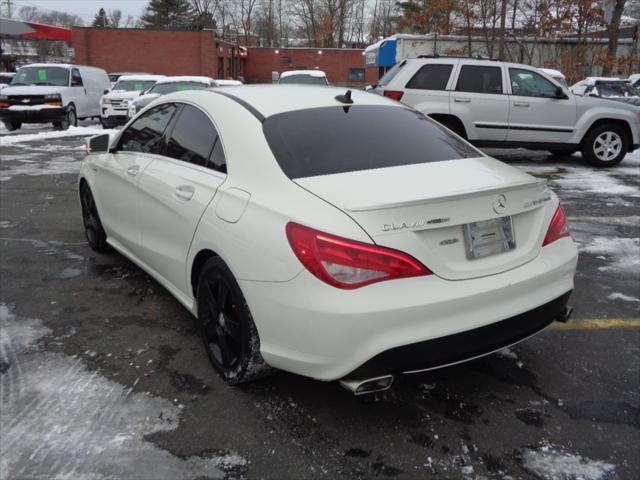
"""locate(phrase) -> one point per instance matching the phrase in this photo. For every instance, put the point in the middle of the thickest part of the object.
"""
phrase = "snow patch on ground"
(621, 253)
(622, 296)
(50, 135)
(594, 181)
(60, 420)
(53, 166)
(632, 159)
(550, 464)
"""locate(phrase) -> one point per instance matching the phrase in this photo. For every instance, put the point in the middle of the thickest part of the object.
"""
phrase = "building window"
(287, 60)
(356, 74)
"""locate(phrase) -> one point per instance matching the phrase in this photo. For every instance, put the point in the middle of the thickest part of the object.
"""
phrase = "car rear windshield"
(303, 79)
(328, 140)
(392, 72)
(134, 85)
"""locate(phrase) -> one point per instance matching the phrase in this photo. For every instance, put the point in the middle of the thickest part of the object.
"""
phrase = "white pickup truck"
(499, 104)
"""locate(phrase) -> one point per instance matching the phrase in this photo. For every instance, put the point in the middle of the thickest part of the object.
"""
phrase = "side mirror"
(104, 92)
(98, 144)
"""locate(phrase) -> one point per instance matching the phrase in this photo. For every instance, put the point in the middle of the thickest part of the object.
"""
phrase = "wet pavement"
(102, 374)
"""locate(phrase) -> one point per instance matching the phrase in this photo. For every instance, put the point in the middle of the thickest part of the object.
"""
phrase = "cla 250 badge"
(391, 227)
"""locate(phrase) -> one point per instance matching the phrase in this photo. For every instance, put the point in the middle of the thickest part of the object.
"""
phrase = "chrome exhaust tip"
(367, 385)
(564, 315)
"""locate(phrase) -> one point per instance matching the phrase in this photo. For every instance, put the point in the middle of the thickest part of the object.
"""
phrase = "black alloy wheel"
(96, 236)
(226, 327)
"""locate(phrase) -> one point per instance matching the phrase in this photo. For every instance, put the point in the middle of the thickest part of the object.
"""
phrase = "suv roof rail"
(472, 57)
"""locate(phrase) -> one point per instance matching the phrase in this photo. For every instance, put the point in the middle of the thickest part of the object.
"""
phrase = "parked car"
(635, 80)
(113, 77)
(221, 82)
(5, 78)
(169, 85)
(281, 245)
(499, 104)
(620, 90)
(57, 93)
(303, 77)
(114, 106)
(557, 75)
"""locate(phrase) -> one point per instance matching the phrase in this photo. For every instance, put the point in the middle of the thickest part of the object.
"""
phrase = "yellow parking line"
(600, 324)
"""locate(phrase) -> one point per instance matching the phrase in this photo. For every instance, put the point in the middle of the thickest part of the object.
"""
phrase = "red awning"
(21, 28)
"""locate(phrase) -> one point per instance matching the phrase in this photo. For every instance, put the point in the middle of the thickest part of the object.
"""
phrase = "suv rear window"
(432, 76)
(328, 140)
(392, 72)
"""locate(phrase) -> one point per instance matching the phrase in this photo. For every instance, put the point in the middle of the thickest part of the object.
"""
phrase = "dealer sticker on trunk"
(489, 237)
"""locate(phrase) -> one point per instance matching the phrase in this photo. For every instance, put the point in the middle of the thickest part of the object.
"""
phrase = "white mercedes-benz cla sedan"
(336, 235)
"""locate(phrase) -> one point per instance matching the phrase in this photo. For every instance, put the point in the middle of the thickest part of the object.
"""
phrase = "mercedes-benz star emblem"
(500, 204)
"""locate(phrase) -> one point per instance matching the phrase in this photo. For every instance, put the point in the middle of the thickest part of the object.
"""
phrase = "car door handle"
(520, 104)
(133, 171)
(185, 192)
(461, 99)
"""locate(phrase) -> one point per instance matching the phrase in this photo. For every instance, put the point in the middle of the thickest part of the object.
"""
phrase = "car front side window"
(145, 134)
(192, 138)
(76, 78)
(526, 83)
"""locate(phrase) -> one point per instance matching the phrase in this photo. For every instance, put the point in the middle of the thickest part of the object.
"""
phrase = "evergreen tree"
(101, 20)
(168, 14)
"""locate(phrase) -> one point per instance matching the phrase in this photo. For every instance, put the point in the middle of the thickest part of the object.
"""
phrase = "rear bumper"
(310, 328)
(464, 346)
(43, 115)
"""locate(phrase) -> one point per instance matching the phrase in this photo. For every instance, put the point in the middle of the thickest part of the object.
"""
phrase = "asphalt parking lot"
(102, 374)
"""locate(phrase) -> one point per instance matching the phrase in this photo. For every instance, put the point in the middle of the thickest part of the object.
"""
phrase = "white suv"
(499, 104)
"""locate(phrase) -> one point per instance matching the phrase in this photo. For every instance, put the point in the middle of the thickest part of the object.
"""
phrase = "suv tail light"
(558, 227)
(394, 94)
(349, 264)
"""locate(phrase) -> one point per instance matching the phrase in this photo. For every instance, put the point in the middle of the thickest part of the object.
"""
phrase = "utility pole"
(9, 8)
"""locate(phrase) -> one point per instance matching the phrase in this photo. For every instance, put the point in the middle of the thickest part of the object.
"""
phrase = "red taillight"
(558, 227)
(346, 263)
(393, 94)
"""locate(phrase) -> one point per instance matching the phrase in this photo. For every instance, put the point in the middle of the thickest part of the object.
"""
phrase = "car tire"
(563, 152)
(12, 126)
(70, 119)
(226, 326)
(605, 146)
(96, 236)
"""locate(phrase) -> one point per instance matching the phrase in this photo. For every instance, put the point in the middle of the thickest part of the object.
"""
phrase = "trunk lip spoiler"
(448, 197)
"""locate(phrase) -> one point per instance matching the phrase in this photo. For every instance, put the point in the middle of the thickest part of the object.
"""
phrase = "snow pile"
(51, 135)
(595, 181)
(623, 253)
(60, 420)
(550, 464)
(623, 297)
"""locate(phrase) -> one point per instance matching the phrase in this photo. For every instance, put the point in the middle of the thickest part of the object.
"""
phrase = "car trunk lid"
(425, 209)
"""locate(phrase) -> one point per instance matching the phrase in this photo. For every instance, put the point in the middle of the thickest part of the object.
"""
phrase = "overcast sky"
(86, 9)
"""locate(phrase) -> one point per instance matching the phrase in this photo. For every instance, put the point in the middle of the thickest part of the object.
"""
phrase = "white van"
(57, 93)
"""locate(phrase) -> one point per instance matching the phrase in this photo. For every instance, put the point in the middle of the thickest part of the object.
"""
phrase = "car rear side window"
(431, 77)
(145, 134)
(328, 140)
(192, 138)
(480, 79)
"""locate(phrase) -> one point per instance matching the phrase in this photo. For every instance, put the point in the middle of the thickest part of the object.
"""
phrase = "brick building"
(157, 51)
(202, 53)
(343, 66)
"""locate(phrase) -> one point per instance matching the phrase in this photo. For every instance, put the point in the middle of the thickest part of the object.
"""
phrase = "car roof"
(141, 78)
(186, 78)
(273, 99)
(552, 73)
(312, 73)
